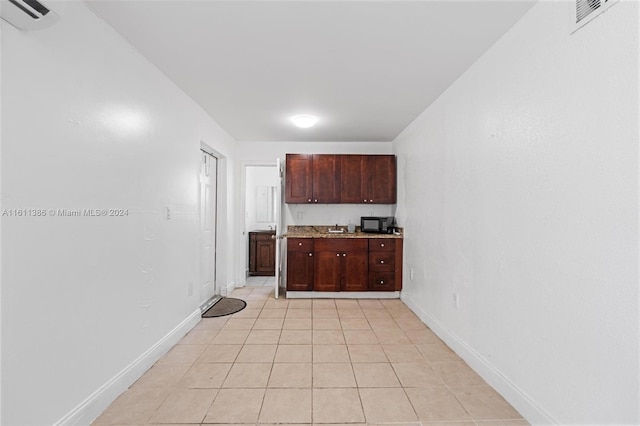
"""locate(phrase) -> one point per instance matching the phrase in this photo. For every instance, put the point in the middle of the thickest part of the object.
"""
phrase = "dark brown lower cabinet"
(385, 264)
(327, 271)
(341, 264)
(300, 260)
(355, 272)
(344, 264)
(262, 253)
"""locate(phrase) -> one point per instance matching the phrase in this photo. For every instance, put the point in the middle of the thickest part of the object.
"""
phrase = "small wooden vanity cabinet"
(262, 253)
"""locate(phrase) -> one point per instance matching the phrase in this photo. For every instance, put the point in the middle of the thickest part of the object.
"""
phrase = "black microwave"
(377, 224)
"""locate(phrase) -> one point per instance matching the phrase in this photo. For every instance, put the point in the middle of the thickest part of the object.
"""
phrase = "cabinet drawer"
(382, 281)
(382, 244)
(382, 261)
(340, 244)
(300, 244)
(263, 236)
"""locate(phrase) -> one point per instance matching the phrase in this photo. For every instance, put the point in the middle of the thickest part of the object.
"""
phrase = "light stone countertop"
(321, 231)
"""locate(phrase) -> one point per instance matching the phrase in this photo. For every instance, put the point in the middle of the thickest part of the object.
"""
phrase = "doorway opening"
(260, 211)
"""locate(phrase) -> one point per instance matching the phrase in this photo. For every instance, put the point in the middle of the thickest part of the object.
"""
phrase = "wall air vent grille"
(32, 8)
(31, 14)
(585, 7)
(586, 10)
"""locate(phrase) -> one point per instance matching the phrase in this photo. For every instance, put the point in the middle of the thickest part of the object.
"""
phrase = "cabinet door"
(352, 189)
(354, 271)
(326, 178)
(299, 179)
(380, 179)
(265, 255)
(299, 271)
(252, 253)
(327, 271)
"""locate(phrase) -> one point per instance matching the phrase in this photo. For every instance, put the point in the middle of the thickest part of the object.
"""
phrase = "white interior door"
(279, 228)
(208, 207)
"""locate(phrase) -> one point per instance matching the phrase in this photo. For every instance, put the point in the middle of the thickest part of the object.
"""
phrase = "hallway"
(311, 361)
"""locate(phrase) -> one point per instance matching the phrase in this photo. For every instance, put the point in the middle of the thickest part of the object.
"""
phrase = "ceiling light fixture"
(304, 121)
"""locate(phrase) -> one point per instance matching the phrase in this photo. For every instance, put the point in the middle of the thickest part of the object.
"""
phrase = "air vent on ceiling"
(31, 14)
(587, 10)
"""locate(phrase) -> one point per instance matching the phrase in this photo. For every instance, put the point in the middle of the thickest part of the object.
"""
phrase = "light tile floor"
(303, 361)
(260, 281)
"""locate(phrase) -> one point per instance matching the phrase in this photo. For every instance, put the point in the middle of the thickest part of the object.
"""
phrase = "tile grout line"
(415, 412)
(313, 333)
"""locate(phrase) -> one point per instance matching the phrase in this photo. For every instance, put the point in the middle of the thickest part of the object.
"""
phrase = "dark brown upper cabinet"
(368, 179)
(346, 179)
(326, 179)
(299, 178)
(312, 178)
(352, 183)
(379, 180)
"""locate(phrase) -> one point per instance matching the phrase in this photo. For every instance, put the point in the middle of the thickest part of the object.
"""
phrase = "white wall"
(1, 207)
(518, 189)
(304, 214)
(314, 214)
(258, 176)
(88, 123)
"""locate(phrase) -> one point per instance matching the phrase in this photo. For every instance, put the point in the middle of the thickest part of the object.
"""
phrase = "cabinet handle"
(344, 254)
(315, 201)
(382, 245)
(364, 201)
(381, 281)
(337, 254)
(300, 244)
(310, 254)
(371, 201)
(309, 200)
(382, 261)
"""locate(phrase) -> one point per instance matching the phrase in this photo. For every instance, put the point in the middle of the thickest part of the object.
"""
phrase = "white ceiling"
(365, 68)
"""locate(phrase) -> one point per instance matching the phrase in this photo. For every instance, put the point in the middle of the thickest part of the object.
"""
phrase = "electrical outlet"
(299, 215)
(456, 300)
(411, 274)
(167, 212)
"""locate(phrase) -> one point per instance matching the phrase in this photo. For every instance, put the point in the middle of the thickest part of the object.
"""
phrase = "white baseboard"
(228, 289)
(531, 411)
(342, 294)
(89, 409)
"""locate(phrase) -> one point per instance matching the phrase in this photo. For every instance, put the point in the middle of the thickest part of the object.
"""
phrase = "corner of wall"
(89, 409)
(1, 403)
(505, 387)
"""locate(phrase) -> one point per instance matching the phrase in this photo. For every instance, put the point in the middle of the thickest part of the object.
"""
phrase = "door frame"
(220, 216)
(243, 254)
